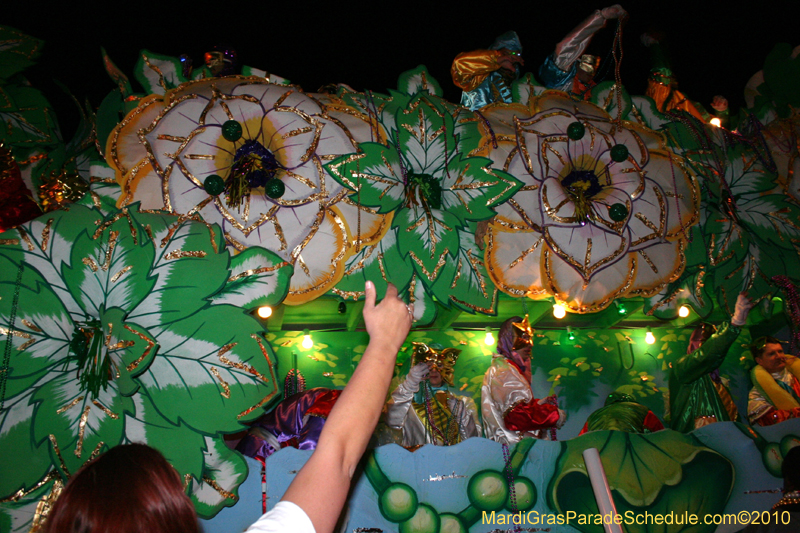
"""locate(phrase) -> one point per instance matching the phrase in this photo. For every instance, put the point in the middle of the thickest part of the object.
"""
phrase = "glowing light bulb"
(489, 339)
(715, 122)
(559, 311)
(570, 334)
(683, 312)
(649, 338)
(307, 342)
(265, 312)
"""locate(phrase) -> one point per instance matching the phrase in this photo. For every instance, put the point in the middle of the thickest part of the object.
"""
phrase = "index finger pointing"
(391, 291)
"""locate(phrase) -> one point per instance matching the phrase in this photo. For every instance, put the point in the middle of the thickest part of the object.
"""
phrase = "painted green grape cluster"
(487, 490)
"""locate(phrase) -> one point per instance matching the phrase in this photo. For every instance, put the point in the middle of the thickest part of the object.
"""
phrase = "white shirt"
(284, 517)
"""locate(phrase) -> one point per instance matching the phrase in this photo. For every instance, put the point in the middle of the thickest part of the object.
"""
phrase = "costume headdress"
(700, 335)
(515, 334)
(443, 359)
(509, 40)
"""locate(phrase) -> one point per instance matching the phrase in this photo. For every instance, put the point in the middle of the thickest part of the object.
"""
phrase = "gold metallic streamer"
(226, 393)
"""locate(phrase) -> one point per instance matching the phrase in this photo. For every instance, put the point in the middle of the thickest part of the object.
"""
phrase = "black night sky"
(715, 47)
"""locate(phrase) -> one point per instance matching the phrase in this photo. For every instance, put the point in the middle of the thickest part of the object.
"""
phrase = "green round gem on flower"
(232, 130)
(488, 490)
(619, 153)
(274, 188)
(214, 184)
(618, 212)
(425, 520)
(525, 494)
(398, 502)
(576, 130)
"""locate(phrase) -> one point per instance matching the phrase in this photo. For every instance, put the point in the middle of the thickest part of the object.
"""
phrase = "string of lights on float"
(559, 311)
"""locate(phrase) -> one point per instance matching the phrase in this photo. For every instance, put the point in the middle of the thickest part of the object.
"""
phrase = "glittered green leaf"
(77, 422)
(158, 73)
(372, 263)
(376, 174)
(225, 374)
(418, 80)
(428, 237)
(464, 282)
(224, 470)
(179, 444)
(257, 277)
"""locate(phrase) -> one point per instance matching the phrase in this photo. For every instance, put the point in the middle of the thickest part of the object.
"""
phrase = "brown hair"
(129, 489)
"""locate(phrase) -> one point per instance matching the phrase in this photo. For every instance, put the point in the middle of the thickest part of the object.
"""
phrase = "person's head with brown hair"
(129, 489)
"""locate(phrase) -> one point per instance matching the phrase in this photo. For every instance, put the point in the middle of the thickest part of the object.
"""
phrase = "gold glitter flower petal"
(579, 296)
(657, 266)
(680, 189)
(318, 264)
(513, 261)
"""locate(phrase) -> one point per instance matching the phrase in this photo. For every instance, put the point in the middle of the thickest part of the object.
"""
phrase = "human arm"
(574, 44)
(321, 486)
(707, 357)
(403, 394)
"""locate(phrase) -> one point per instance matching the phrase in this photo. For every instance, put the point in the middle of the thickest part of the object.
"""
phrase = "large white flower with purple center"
(248, 155)
(604, 211)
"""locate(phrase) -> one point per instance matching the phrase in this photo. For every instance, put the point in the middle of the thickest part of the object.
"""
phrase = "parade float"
(135, 259)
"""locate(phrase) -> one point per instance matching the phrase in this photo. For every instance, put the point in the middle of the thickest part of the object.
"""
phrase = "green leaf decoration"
(223, 472)
(158, 73)
(526, 88)
(658, 473)
(645, 111)
(749, 228)
(17, 52)
(103, 190)
(418, 80)
(116, 336)
(781, 75)
(257, 276)
(434, 191)
(371, 263)
(424, 307)
(18, 514)
(464, 282)
(606, 96)
(28, 118)
(117, 76)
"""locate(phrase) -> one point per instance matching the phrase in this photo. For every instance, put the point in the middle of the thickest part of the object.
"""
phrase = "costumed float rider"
(423, 407)
(698, 395)
(296, 421)
(775, 395)
(568, 68)
(510, 412)
(662, 85)
(621, 412)
(486, 76)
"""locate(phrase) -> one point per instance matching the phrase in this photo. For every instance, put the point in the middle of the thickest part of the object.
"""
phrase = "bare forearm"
(356, 413)
(321, 486)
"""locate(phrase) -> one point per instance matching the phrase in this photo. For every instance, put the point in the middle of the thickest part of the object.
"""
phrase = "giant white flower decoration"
(249, 156)
(604, 211)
